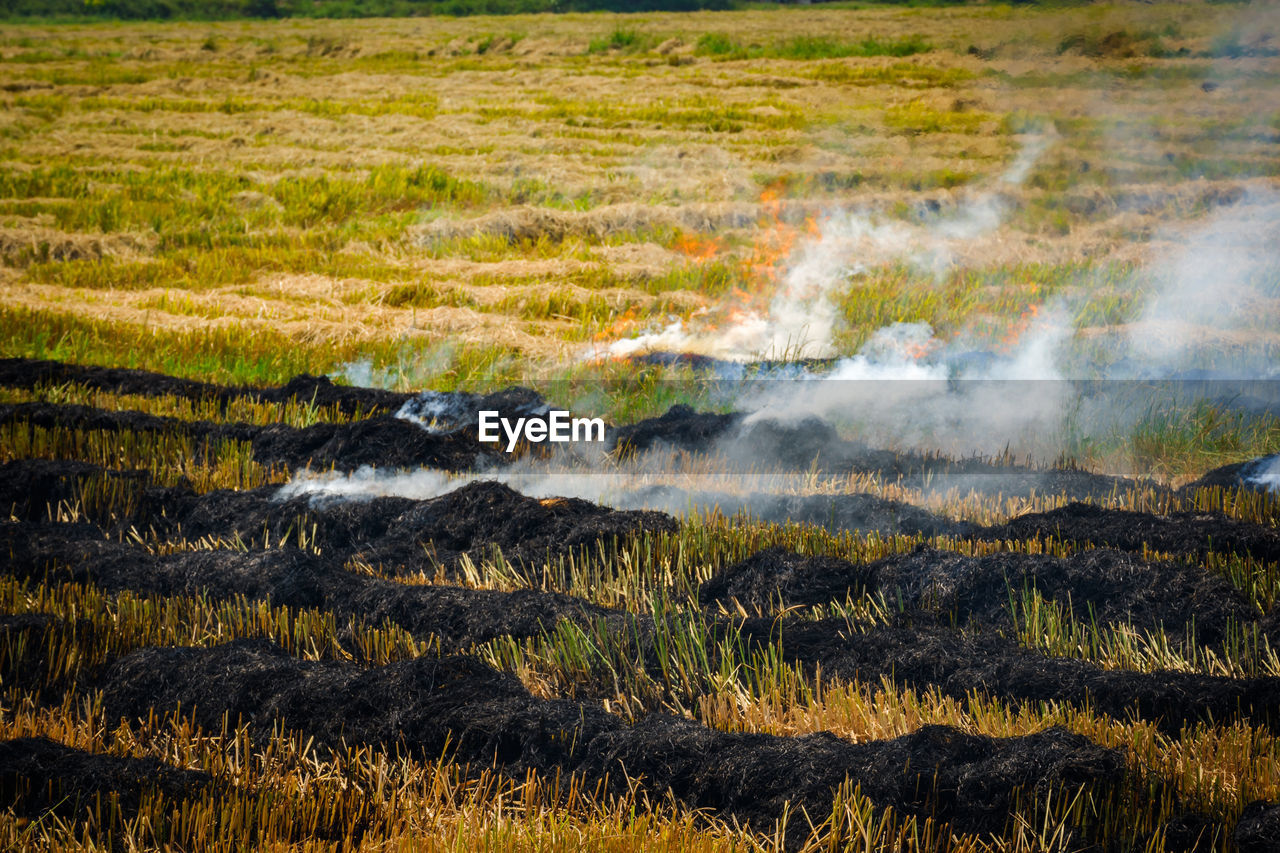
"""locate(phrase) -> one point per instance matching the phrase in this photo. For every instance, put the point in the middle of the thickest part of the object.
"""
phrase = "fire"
(698, 248)
(1019, 327)
(740, 317)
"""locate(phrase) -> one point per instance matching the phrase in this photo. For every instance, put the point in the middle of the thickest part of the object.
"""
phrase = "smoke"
(801, 318)
(1212, 303)
(1264, 473)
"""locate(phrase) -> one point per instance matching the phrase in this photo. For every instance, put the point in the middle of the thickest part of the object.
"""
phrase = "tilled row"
(459, 617)
(380, 440)
(459, 708)
(1100, 586)
(318, 390)
(1183, 533)
(413, 441)
(921, 655)
(401, 535)
(486, 513)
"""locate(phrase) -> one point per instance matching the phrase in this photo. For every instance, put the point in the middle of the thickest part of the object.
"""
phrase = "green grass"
(805, 48)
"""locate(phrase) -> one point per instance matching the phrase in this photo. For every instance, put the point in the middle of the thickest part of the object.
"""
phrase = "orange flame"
(698, 248)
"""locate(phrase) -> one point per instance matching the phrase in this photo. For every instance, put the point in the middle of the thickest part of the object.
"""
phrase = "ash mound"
(457, 616)
(1109, 587)
(397, 533)
(304, 388)
(777, 578)
(1258, 830)
(1182, 533)
(462, 709)
(39, 776)
(1260, 475)
(812, 443)
(862, 513)
(957, 663)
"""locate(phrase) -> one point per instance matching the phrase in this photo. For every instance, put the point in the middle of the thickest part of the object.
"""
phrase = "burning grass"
(828, 642)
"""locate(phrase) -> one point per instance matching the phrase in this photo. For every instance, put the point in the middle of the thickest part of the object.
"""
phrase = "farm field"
(936, 507)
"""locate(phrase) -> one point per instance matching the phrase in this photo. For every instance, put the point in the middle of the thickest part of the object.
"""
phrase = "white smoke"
(1213, 298)
(1265, 473)
(802, 318)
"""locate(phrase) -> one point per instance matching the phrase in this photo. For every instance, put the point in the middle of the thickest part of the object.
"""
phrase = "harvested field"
(927, 496)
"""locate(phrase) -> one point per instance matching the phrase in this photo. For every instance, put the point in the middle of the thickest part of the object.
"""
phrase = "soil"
(923, 654)
(812, 443)
(1184, 533)
(1258, 830)
(951, 630)
(458, 707)
(458, 616)
(961, 662)
(384, 441)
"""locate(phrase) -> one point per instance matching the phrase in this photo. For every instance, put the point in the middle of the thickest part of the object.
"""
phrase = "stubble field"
(247, 608)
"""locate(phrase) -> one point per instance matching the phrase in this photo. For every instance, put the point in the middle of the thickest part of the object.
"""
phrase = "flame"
(698, 248)
(1020, 326)
(621, 324)
(706, 328)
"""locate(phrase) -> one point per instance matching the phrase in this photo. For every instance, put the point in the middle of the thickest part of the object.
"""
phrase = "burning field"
(921, 485)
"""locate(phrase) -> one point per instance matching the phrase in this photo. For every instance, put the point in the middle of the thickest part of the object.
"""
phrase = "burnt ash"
(460, 708)
(960, 662)
(812, 443)
(383, 441)
(457, 616)
(1106, 586)
(1190, 534)
(680, 427)
(31, 374)
(775, 579)
(862, 513)
(914, 655)
(39, 776)
(1258, 830)
(398, 534)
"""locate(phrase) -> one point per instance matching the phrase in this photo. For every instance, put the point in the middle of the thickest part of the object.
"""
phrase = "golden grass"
(291, 175)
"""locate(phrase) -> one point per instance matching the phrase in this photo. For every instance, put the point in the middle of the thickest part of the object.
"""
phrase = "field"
(263, 592)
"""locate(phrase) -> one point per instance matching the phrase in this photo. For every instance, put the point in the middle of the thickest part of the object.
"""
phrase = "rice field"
(451, 201)
(715, 631)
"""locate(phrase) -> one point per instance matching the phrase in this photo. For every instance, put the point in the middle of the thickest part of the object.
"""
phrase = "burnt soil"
(386, 441)
(458, 707)
(39, 776)
(960, 662)
(918, 652)
(861, 513)
(458, 616)
(812, 443)
(382, 441)
(397, 534)
(1103, 586)
(1188, 534)
(30, 374)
